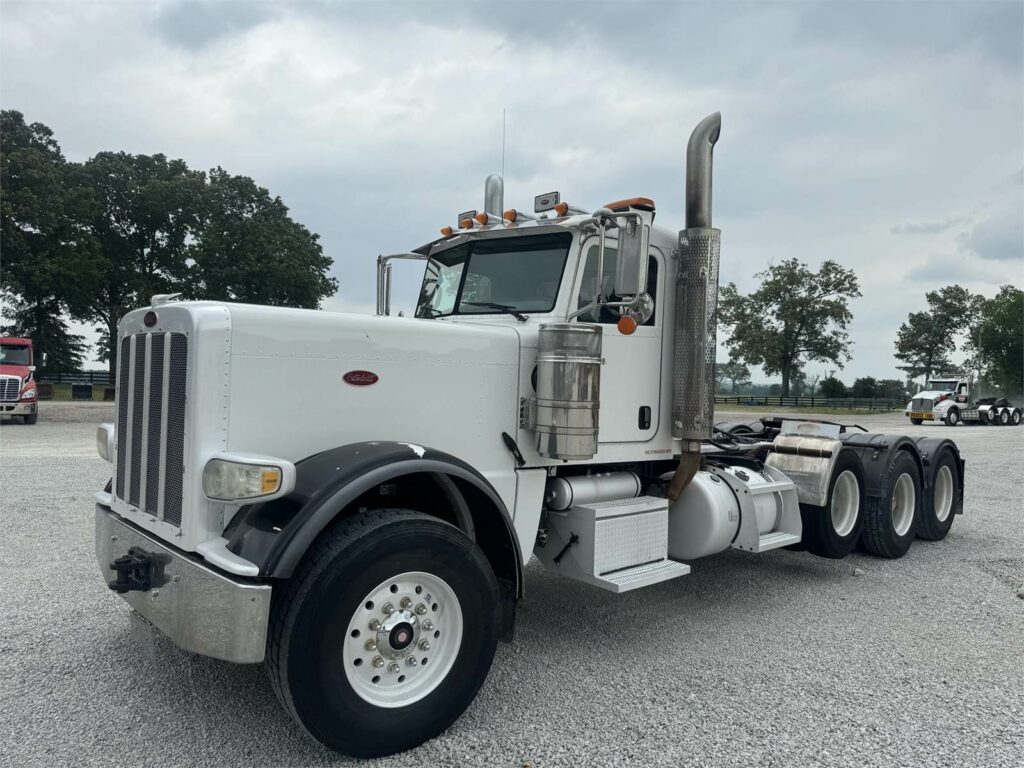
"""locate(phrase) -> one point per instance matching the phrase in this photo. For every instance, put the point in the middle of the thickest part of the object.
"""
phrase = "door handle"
(644, 417)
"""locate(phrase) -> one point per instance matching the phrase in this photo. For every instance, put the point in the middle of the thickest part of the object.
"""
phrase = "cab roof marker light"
(483, 219)
(446, 231)
(564, 209)
(512, 216)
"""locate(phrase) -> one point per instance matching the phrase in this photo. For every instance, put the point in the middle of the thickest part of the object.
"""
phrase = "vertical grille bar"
(123, 361)
(138, 403)
(154, 423)
(175, 458)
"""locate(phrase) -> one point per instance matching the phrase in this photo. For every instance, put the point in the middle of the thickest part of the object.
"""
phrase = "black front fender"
(276, 534)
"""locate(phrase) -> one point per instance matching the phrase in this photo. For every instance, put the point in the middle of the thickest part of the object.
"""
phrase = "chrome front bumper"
(198, 608)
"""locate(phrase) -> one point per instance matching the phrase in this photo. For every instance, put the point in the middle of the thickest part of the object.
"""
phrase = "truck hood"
(934, 394)
(21, 371)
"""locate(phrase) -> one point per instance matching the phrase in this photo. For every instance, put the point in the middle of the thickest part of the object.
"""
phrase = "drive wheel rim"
(1016, 418)
(1004, 418)
(902, 506)
(403, 639)
(943, 495)
(845, 503)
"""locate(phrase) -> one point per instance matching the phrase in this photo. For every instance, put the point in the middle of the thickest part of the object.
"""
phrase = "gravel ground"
(780, 659)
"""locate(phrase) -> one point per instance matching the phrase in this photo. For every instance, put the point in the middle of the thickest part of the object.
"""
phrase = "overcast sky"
(889, 137)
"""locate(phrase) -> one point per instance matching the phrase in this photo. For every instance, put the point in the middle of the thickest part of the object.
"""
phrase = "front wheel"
(953, 417)
(31, 418)
(916, 422)
(385, 634)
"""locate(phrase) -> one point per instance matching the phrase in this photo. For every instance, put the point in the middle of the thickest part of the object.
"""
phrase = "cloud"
(928, 227)
(377, 122)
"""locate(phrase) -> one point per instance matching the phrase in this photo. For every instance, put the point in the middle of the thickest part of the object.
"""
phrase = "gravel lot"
(780, 659)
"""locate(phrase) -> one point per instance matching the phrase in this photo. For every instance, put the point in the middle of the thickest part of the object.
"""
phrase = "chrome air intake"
(568, 390)
(693, 385)
(494, 196)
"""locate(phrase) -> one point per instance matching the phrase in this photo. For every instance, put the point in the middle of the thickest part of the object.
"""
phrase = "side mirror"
(31, 369)
(631, 270)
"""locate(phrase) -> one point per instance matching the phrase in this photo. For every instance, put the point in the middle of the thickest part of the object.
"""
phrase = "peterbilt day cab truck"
(18, 389)
(551, 396)
(947, 398)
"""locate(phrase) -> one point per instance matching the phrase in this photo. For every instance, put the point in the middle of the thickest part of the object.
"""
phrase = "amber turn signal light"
(445, 231)
(481, 218)
(626, 325)
(562, 209)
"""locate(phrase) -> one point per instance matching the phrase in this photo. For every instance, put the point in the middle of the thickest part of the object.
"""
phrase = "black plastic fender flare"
(931, 448)
(276, 534)
(877, 453)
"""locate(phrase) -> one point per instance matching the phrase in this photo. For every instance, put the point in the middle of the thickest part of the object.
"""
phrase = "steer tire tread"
(337, 538)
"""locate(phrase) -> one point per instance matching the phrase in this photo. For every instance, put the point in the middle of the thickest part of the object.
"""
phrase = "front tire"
(31, 418)
(832, 530)
(916, 422)
(340, 667)
(953, 417)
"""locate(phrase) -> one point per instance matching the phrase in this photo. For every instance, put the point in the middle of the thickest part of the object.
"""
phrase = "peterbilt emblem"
(360, 378)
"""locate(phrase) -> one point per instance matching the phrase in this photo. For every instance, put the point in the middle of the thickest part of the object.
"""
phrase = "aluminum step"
(777, 539)
(640, 576)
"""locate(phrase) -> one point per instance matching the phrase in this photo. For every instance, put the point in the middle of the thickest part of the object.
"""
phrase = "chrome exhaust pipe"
(693, 386)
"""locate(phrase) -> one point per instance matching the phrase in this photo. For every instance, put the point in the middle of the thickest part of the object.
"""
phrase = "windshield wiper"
(503, 307)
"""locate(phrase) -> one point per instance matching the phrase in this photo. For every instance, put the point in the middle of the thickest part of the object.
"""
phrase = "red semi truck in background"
(18, 389)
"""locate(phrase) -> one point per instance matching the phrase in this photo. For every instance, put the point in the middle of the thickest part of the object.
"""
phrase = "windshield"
(942, 385)
(509, 273)
(12, 354)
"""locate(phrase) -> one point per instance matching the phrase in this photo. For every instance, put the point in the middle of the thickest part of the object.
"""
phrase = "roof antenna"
(503, 111)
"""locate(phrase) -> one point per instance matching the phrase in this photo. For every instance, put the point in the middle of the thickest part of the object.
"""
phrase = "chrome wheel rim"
(403, 639)
(943, 495)
(902, 507)
(845, 503)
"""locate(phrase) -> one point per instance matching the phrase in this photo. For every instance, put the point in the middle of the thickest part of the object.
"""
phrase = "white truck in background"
(351, 500)
(947, 398)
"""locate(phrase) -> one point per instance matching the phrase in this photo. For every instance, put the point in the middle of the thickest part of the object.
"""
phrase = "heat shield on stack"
(693, 387)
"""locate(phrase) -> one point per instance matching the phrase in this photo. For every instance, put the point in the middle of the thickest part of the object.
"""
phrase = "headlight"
(28, 394)
(227, 480)
(105, 441)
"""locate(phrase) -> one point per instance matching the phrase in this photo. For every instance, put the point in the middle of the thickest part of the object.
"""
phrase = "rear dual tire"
(832, 530)
(940, 499)
(892, 522)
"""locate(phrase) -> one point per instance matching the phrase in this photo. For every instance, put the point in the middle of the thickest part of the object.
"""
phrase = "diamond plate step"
(641, 576)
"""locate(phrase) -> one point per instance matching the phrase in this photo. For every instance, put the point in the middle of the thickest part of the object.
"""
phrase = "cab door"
(632, 370)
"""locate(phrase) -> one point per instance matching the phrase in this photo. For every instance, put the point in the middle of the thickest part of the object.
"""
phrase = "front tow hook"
(133, 572)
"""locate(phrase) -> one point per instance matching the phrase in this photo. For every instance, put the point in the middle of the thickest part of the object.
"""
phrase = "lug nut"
(371, 645)
(424, 645)
(411, 661)
(378, 662)
(406, 602)
(421, 609)
(428, 625)
(388, 609)
(393, 667)
(374, 625)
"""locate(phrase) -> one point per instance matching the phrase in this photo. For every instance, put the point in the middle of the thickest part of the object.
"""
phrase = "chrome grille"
(10, 388)
(921, 404)
(150, 466)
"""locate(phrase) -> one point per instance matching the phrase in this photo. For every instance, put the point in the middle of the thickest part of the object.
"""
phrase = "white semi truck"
(947, 398)
(351, 500)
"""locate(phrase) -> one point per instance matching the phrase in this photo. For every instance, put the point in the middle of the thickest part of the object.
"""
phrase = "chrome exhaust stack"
(693, 381)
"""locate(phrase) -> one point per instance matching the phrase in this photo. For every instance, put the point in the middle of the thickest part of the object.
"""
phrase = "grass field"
(63, 392)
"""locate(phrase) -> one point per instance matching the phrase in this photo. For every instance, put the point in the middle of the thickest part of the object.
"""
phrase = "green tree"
(891, 388)
(735, 372)
(249, 249)
(795, 316)
(47, 255)
(927, 339)
(832, 387)
(865, 386)
(996, 341)
(143, 211)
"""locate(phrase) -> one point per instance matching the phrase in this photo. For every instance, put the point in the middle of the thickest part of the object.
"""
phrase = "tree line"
(797, 316)
(92, 240)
